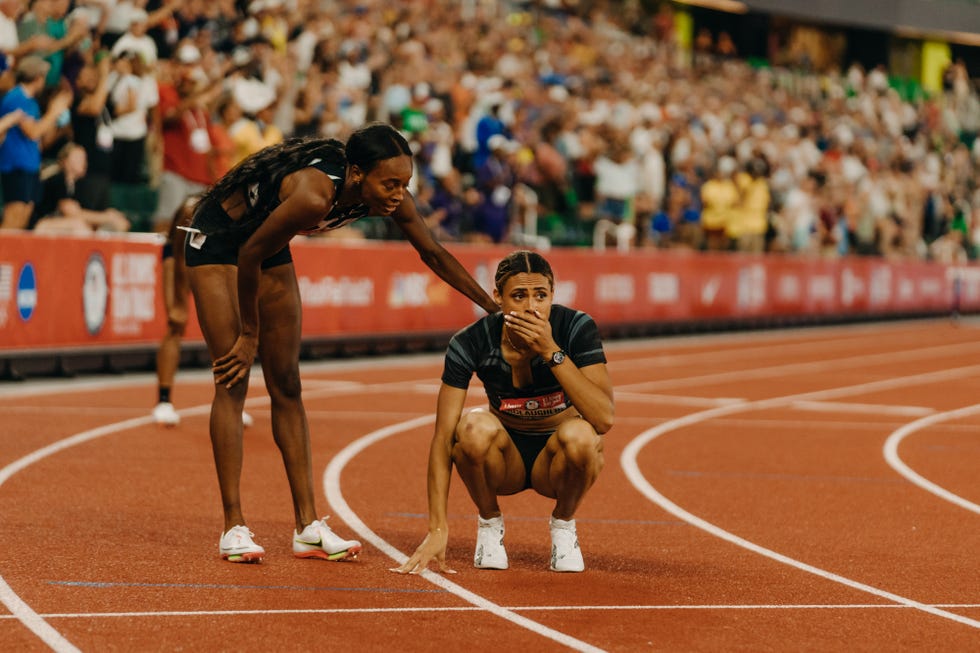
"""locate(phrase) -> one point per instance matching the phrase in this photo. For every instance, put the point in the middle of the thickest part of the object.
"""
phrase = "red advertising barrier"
(60, 293)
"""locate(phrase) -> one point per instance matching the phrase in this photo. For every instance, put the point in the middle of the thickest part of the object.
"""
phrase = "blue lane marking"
(108, 584)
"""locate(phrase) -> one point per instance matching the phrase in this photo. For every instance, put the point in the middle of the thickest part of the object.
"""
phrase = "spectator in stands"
(12, 47)
(617, 184)
(254, 129)
(20, 152)
(495, 181)
(185, 113)
(800, 214)
(92, 129)
(129, 108)
(551, 400)
(136, 39)
(748, 229)
(720, 201)
(49, 18)
(240, 269)
(61, 211)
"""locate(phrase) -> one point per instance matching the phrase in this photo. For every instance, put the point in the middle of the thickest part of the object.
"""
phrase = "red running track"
(769, 491)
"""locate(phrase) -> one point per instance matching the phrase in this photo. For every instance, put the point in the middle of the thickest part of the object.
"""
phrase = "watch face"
(557, 358)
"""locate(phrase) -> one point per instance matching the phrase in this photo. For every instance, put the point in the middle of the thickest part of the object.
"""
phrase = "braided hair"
(523, 260)
(271, 165)
(365, 148)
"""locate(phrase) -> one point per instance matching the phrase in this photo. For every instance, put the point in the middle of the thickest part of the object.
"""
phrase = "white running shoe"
(165, 414)
(237, 546)
(318, 541)
(565, 552)
(490, 552)
(247, 420)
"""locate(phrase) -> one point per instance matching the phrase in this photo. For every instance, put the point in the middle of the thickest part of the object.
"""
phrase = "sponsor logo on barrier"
(413, 289)
(906, 290)
(851, 287)
(822, 288)
(790, 289)
(751, 290)
(663, 288)
(615, 289)
(880, 292)
(565, 292)
(134, 284)
(26, 292)
(6, 291)
(709, 291)
(336, 291)
(95, 294)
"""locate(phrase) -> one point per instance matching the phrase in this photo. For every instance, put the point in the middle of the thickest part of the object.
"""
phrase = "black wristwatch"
(556, 359)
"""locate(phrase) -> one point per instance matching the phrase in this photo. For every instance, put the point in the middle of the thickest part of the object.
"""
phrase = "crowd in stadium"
(528, 119)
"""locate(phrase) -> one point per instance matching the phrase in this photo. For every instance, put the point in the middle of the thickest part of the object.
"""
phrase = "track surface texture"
(798, 490)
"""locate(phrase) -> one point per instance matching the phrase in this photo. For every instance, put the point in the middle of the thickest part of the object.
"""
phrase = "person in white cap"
(255, 129)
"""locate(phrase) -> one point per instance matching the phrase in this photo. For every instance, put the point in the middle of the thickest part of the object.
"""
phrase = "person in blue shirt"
(20, 152)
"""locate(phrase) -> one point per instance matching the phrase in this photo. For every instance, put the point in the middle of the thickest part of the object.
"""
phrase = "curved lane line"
(18, 608)
(628, 460)
(896, 462)
(23, 612)
(331, 484)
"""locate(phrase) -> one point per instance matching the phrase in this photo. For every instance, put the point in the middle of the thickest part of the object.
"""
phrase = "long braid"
(271, 165)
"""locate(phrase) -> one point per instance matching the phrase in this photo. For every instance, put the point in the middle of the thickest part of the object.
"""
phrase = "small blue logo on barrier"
(26, 292)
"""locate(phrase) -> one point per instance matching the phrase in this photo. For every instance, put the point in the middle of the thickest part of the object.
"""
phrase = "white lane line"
(644, 398)
(17, 607)
(331, 484)
(874, 409)
(671, 351)
(896, 462)
(515, 608)
(628, 460)
(798, 369)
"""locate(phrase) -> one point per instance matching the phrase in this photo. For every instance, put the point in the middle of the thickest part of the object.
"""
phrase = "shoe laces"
(240, 533)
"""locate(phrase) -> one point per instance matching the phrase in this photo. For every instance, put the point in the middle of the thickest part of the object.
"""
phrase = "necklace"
(511, 342)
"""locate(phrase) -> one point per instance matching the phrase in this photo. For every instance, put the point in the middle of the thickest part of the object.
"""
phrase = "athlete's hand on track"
(433, 547)
(233, 367)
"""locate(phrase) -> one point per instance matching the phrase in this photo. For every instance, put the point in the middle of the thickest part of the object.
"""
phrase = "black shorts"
(529, 444)
(222, 248)
(21, 186)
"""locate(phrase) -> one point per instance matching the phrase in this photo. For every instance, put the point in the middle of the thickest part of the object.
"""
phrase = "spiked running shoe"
(165, 414)
(490, 552)
(318, 541)
(237, 546)
(565, 552)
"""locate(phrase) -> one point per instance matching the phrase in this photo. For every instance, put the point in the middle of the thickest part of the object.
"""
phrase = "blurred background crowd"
(545, 123)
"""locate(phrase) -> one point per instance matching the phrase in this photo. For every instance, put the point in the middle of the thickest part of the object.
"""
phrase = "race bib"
(535, 407)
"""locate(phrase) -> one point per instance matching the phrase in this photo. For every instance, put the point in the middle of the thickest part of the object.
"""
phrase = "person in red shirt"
(185, 115)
